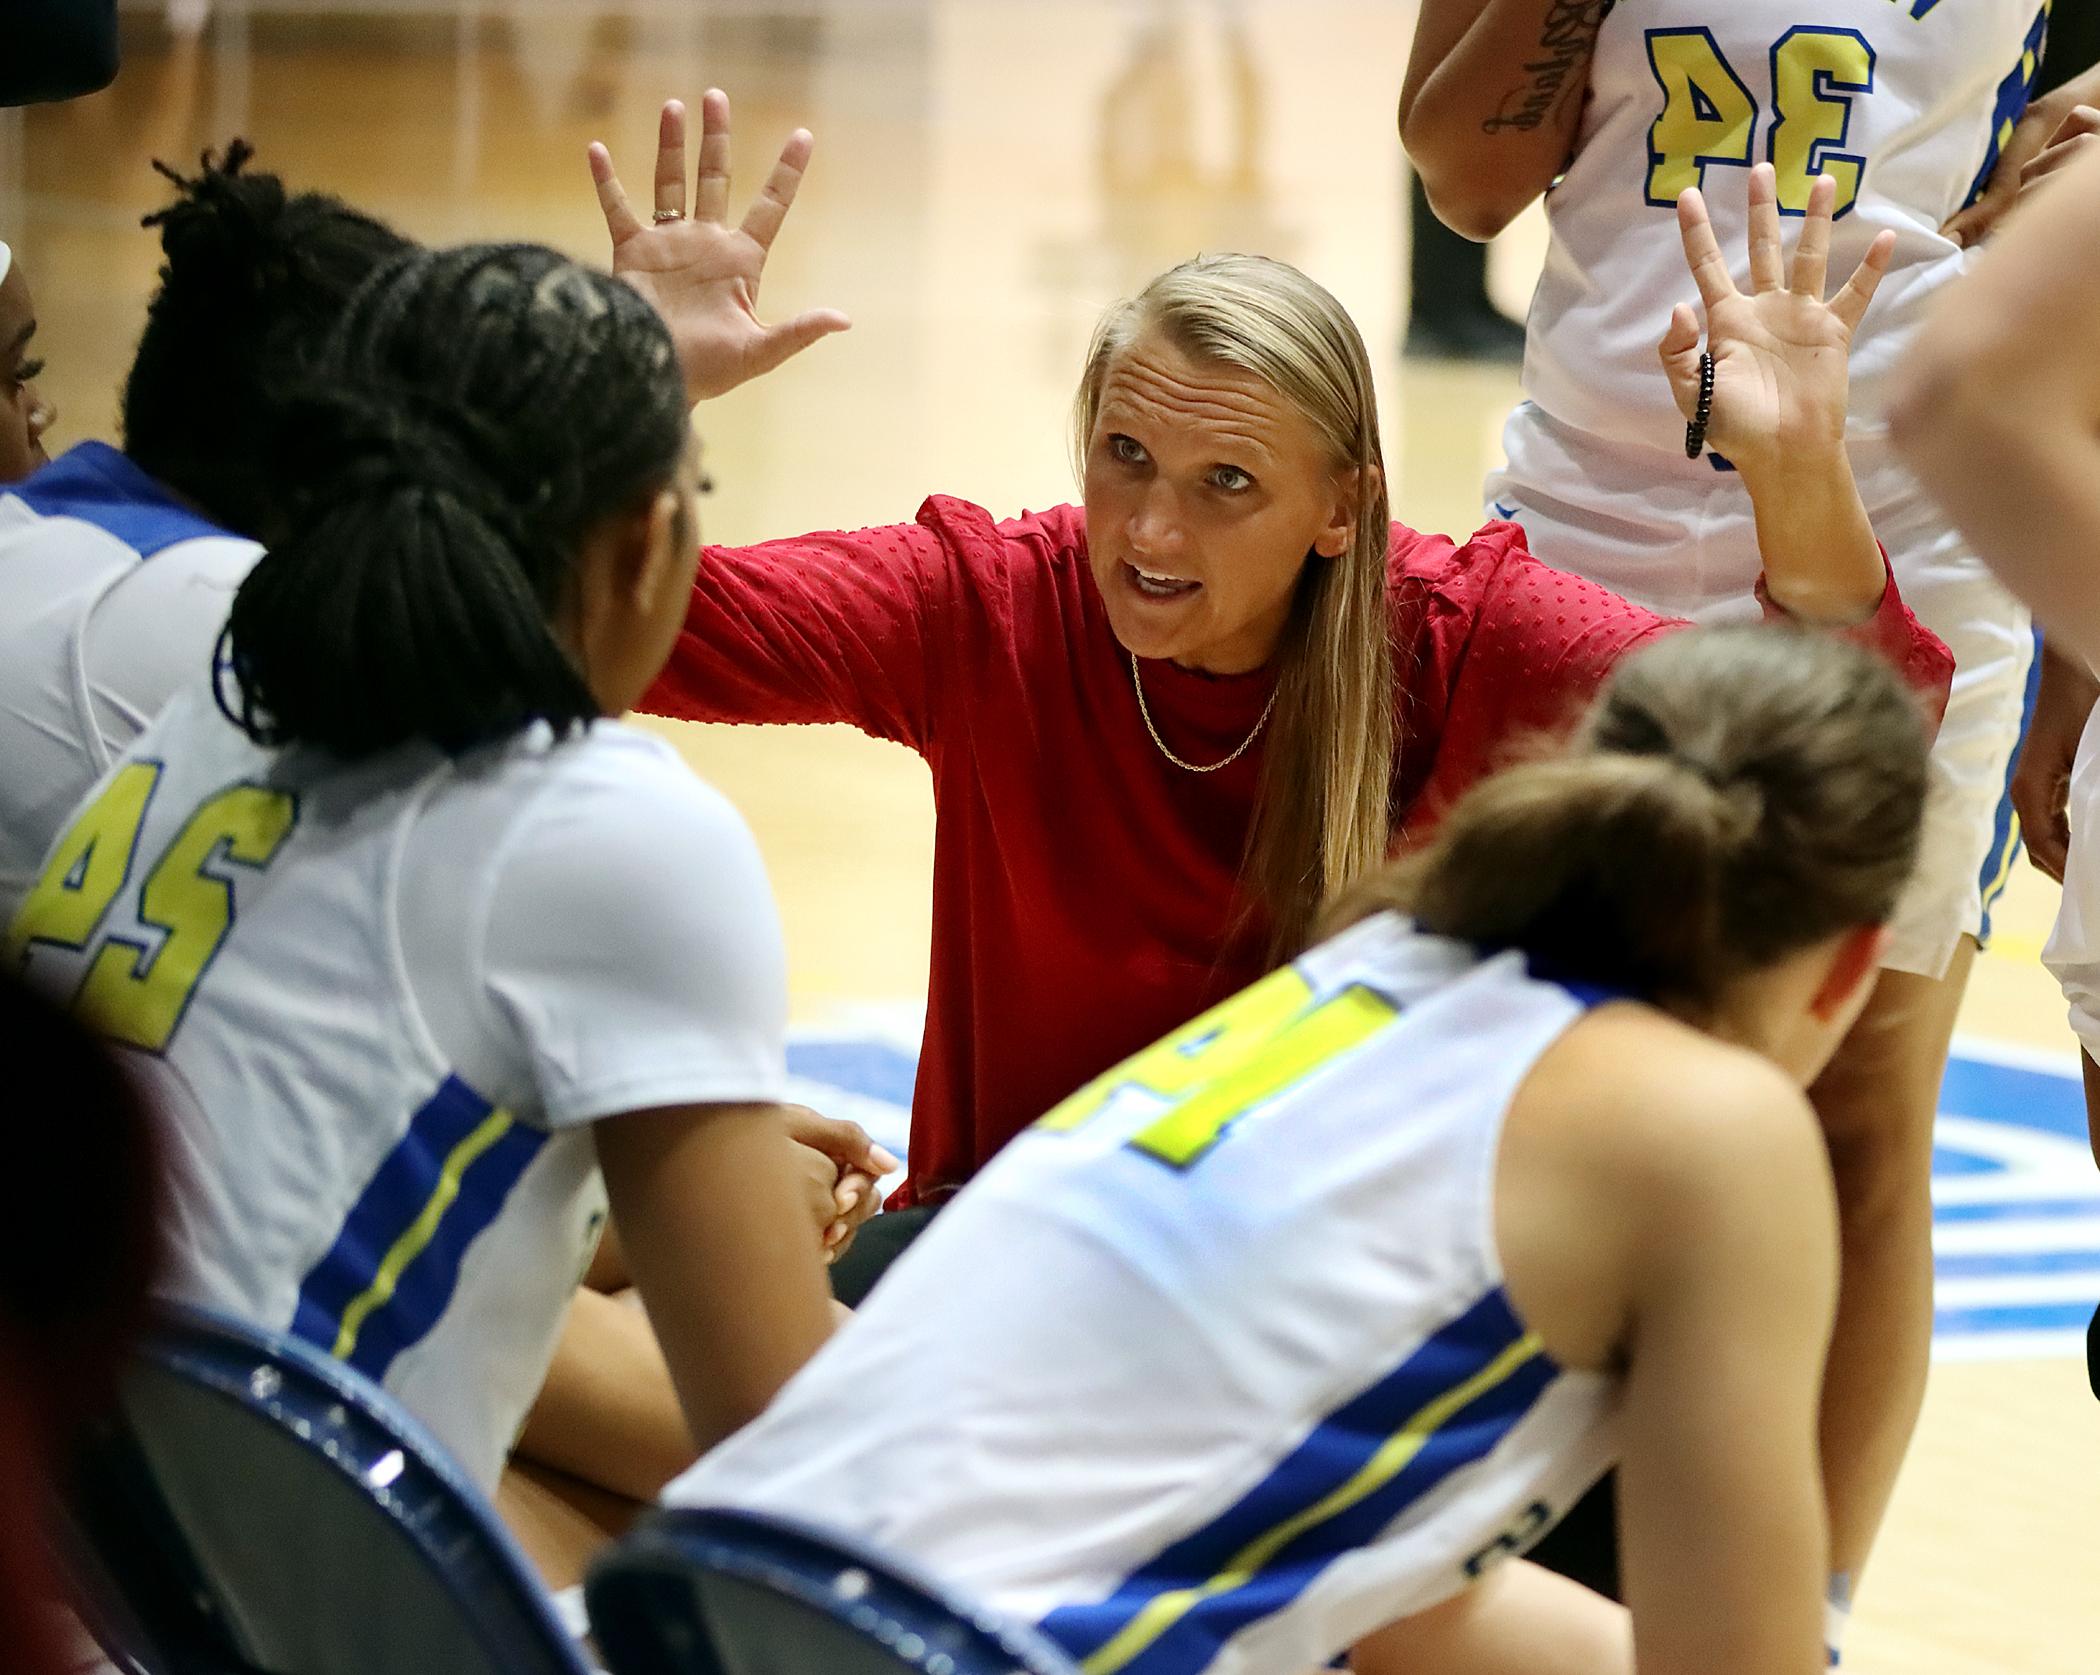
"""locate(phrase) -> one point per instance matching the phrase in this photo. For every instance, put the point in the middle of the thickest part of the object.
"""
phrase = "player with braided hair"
(118, 567)
(414, 938)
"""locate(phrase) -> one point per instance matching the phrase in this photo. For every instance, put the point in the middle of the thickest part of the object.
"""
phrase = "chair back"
(254, 1507)
(717, 1592)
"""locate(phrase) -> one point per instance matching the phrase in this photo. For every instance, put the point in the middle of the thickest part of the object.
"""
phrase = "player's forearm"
(2023, 483)
(1822, 564)
(1998, 409)
(733, 1279)
(1490, 107)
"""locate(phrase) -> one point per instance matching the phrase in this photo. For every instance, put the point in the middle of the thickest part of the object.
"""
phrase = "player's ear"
(633, 555)
(665, 551)
(1853, 964)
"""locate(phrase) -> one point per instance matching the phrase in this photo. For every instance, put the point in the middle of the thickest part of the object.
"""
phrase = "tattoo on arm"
(1554, 76)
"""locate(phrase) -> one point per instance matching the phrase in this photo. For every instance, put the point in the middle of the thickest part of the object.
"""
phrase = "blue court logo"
(2015, 1207)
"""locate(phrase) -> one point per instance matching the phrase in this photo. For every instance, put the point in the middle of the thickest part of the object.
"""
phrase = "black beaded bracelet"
(1695, 432)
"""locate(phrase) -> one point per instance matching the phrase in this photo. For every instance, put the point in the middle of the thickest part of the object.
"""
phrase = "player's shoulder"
(610, 777)
(606, 832)
(1451, 568)
(97, 489)
(1677, 1116)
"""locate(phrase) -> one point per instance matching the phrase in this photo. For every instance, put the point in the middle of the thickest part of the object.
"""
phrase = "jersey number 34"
(1710, 117)
(136, 991)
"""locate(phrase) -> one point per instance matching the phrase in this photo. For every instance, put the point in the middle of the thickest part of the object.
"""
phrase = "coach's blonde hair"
(1323, 816)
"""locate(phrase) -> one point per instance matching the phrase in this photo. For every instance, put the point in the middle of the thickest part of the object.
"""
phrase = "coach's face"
(1207, 494)
(24, 415)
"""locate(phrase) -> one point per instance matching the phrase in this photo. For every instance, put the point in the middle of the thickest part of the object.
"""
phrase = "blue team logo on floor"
(2016, 1199)
(2016, 1207)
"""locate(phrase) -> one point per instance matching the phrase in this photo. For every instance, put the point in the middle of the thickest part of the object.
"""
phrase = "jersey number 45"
(136, 989)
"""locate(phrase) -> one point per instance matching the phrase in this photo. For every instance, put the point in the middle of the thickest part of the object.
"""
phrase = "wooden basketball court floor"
(989, 174)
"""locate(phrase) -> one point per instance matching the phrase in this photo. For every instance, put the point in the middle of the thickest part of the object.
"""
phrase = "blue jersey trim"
(98, 485)
(2011, 103)
(2006, 840)
(1308, 1499)
(390, 1274)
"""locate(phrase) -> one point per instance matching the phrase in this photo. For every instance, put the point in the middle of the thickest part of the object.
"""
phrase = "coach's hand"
(699, 272)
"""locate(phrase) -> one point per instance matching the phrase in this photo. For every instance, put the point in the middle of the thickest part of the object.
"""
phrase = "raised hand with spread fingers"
(1776, 407)
(699, 271)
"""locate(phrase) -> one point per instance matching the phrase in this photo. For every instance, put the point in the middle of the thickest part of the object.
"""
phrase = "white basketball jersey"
(91, 544)
(383, 1002)
(1212, 1369)
(1906, 102)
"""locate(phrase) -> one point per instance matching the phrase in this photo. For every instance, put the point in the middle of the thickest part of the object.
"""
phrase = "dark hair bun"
(225, 233)
(252, 278)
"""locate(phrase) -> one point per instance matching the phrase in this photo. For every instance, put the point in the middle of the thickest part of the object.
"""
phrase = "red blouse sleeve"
(1507, 647)
(857, 627)
(1921, 657)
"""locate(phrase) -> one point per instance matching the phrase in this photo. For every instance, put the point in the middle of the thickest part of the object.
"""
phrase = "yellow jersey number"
(1236, 1056)
(1710, 117)
(133, 992)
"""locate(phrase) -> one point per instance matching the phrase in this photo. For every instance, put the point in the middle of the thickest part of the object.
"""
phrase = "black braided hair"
(253, 277)
(474, 416)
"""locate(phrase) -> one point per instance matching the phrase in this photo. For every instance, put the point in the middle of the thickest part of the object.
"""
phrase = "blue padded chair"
(257, 1508)
(715, 1592)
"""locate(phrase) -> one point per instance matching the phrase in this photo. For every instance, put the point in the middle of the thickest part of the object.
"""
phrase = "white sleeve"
(632, 953)
(153, 633)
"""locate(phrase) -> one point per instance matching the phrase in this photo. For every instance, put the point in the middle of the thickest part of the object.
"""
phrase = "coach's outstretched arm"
(1998, 410)
(1779, 396)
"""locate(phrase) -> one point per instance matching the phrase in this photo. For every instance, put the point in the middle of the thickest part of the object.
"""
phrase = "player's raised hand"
(1780, 350)
(701, 273)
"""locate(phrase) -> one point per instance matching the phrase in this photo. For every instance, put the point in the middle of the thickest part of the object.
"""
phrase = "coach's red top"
(1085, 889)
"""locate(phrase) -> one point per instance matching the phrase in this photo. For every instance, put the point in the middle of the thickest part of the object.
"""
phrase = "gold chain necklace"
(1238, 750)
